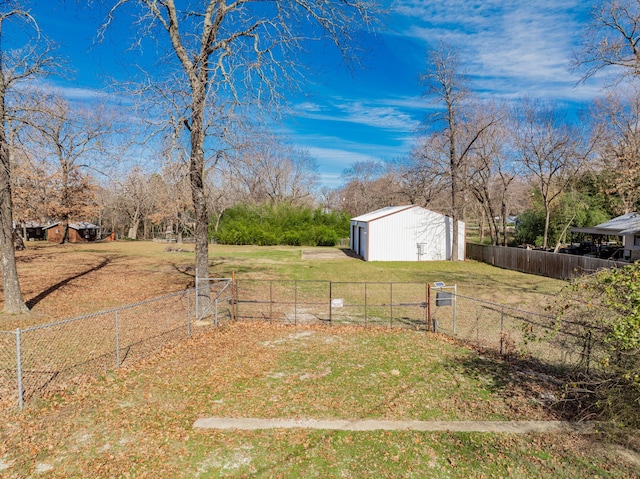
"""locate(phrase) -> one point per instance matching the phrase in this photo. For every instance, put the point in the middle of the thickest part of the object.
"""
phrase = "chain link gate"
(209, 294)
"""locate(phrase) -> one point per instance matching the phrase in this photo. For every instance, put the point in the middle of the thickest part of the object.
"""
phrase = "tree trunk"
(454, 206)
(503, 210)
(13, 300)
(65, 234)
(493, 225)
(547, 220)
(133, 229)
(196, 173)
(19, 241)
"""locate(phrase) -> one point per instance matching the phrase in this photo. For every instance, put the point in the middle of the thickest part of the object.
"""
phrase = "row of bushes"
(268, 225)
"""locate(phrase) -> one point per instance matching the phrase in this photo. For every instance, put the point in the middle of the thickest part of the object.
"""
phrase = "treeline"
(586, 203)
(477, 159)
(282, 224)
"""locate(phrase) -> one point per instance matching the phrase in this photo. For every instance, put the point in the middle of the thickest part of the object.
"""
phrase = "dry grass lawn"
(137, 422)
(63, 281)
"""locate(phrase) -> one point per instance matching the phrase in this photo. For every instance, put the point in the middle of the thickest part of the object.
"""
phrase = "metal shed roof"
(622, 225)
(83, 225)
(382, 212)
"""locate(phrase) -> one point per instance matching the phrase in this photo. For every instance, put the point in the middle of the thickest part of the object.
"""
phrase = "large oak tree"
(228, 53)
(454, 131)
(18, 66)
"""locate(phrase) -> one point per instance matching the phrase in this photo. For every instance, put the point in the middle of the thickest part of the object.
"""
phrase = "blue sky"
(511, 49)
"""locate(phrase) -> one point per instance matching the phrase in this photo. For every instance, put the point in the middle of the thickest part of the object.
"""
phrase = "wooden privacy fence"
(542, 263)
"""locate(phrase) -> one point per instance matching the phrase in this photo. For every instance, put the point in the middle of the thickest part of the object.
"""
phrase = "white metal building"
(405, 233)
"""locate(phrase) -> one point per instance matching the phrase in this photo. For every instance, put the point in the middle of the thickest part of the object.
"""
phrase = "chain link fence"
(8, 369)
(492, 326)
(369, 304)
(525, 334)
(41, 359)
(46, 358)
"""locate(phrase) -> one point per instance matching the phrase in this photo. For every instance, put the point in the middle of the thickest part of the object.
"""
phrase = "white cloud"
(384, 114)
(78, 93)
(510, 47)
(308, 106)
(336, 157)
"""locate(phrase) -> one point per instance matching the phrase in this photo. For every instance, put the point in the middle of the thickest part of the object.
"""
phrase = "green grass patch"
(473, 278)
(138, 423)
(401, 376)
(321, 454)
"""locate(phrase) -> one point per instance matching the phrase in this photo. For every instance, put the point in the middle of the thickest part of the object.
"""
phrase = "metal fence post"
(429, 325)
(501, 331)
(189, 315)
(117, 343)
(235, 293)
(270, 300)
(330, 303)
(233, 296)
(197, 294)
(391, 305)
(365, 305)
(455, 306)
(19, 368)
(426, 309)
(295, 302)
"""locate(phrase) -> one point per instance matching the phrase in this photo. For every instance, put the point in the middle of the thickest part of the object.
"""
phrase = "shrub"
(292, 238)
(281, 224)
(325, 236)
(604, 308)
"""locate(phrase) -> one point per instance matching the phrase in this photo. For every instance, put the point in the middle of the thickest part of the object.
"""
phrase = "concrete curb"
(510, 427)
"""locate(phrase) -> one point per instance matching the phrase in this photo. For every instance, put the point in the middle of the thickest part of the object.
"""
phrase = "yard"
(138, 422)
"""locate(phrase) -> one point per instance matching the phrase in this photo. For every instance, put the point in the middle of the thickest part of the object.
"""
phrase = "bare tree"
(611, 40)
(611, 43)
(330, 199)
(267, 169)
(110, 218)
(173, 205)
(239, 50)
(492, 170)
(135, 200)
(551, 149)
(75, 141)
(369, 186)
(619, 147)
(422, 177)
(446, 85)
(17, 67)
(30, 187)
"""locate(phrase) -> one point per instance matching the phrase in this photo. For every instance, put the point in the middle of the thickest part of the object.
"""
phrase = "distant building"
(31, 231)
(626, 226)
(78, 232)
(405, 233)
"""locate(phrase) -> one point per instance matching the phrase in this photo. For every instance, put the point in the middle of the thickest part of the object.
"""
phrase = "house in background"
(78, 232)
(31, 231)
(405, 233)
(626, 227)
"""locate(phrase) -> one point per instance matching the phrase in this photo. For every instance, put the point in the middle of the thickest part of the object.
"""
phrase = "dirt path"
(512, 427)
(327, 253)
